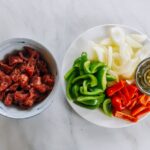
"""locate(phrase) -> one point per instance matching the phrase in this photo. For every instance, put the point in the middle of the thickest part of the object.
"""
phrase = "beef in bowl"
(25, 78)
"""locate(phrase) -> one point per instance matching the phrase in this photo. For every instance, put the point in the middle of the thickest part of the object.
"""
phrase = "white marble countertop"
(56, 23)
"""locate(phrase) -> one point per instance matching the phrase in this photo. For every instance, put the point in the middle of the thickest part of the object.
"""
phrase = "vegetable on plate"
(105, 78)
(127, 101)
(86, 83)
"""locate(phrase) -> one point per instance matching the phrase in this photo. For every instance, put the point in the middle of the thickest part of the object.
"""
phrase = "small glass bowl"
(142, 76)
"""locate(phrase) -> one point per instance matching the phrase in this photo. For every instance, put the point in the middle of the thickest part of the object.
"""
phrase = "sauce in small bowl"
(142, 76)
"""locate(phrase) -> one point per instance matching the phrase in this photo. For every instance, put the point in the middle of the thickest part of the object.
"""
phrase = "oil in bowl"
(143, 76)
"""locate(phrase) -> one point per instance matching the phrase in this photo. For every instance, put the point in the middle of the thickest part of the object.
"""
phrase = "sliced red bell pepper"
(125, 93)
(127, 101)
(115, 88)
(133, 103)
(137, 110)
(143, 100)
(142, 112)
(132, 89)
(125, 116)
(117, 102)
(136, 95)
(148, 99)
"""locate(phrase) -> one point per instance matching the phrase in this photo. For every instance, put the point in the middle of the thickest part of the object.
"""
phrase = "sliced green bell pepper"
(69, 85)
(67, 75)
(79, 62)
(86, 66)
(92, 66)
(75, 90)
(107, 108)
(86, 106)
(90, 102)
(94, 92)
(95, 65)
(87, 98)
(85, 85)
(101, 77)
(92, 82)
(110, 77)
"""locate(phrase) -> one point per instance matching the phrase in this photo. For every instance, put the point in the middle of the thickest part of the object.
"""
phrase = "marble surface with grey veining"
(55, 24)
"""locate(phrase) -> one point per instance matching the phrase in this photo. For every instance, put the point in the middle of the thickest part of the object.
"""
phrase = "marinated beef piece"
(36, 80)
(23, 80)
(31, 52)
(30, 67)
(22, 56)
(15, 75)
(20, 96)
(42, 66)
(48, 79)
(13, 60)
(13, 87)
(6, 68)
(33, 95)
(5, 81)
(2, 95)
(8, 99)
(42, 88)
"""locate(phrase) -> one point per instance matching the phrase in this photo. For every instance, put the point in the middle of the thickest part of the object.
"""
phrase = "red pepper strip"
(137, 110)
(148, 99)
(132, 90)
(143, 100)
(115, 88)
(133, 103)
(125, 94)
(136, 95)
(143, 112)
(130, 102)
(116, 102)
(125, 116)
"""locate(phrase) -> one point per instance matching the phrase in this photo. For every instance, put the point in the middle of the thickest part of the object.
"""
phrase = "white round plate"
(77, 47)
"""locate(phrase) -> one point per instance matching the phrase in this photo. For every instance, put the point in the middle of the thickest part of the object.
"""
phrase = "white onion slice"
(118, 35)
(125, 52)
(101, 52)
(144, 52)
(106, 42)
(133, 43)
(139, 37)
(109, 56)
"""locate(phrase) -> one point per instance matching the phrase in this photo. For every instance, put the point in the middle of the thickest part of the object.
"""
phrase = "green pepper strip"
(94, 92)
(86, 66)
(92, 67)
(90, 102)
(85, 85)
(86, 106)
(110, 77)
(107, 107)
(67, 75)
(92, 82)
(79, 62)
(75, 90)
(69, 85)
(101, 77)
(95, 66)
